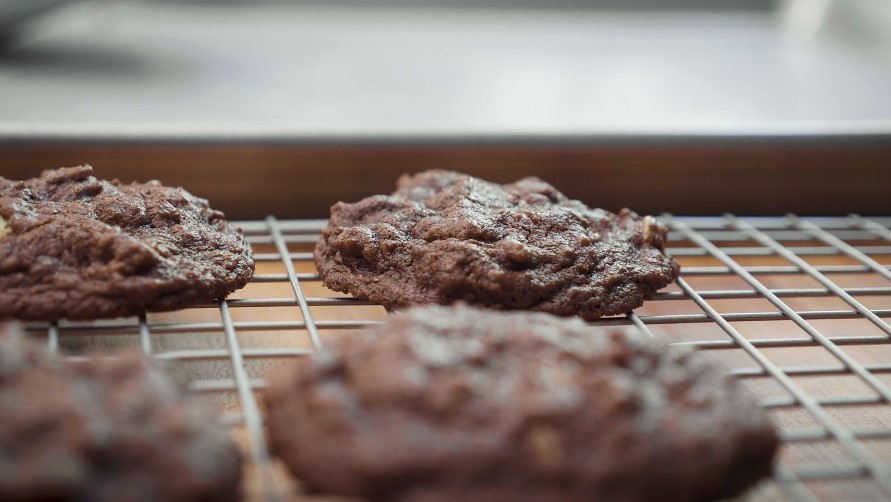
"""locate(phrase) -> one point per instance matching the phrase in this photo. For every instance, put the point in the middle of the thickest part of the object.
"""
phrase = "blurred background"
(688, 106)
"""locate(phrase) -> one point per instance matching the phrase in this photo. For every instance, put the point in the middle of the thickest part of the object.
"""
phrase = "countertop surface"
(134, 69)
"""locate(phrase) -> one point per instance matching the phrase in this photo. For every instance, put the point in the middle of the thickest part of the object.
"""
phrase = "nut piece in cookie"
(443, 237)
(106, 430)
(80, 248)
(456, 403)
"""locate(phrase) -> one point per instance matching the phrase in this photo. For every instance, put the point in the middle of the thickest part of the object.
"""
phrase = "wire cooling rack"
(795, 308)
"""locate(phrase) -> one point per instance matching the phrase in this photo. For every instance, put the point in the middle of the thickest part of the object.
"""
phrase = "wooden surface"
(250, 181)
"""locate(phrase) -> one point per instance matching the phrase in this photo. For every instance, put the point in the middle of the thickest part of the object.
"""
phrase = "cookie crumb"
(547, 445)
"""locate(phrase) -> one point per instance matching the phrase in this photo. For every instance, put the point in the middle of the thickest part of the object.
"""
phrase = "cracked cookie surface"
(444, 404)
(76, 247)
(443, 237)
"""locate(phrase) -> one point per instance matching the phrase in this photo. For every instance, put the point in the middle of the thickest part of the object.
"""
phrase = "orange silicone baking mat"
(796, 308)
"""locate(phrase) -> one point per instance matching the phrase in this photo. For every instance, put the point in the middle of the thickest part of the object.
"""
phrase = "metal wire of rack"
(796, 308)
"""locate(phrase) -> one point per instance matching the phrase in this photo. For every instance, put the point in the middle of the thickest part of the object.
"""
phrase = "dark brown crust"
(79, 248)
(106, 430)
(444, 404)
(444, 237)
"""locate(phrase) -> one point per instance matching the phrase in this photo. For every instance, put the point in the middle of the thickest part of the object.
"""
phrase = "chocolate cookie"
(74, 247)
(444, 236)
(106, 430)
(444, 404)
